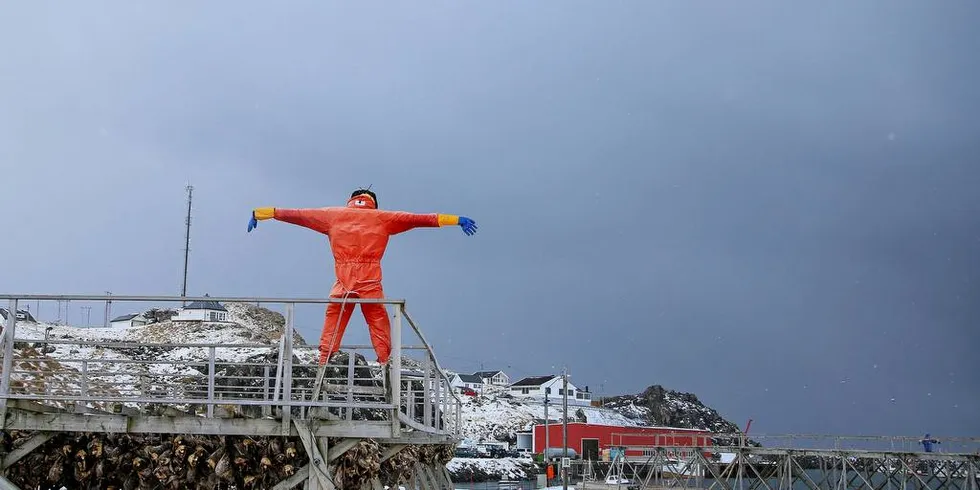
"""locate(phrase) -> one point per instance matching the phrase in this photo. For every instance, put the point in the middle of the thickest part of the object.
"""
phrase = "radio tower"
(187, 242)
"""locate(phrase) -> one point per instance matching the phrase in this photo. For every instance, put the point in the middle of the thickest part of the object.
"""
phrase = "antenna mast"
(187, 241)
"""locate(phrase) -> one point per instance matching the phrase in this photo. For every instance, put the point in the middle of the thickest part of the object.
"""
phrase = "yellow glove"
(448, 220)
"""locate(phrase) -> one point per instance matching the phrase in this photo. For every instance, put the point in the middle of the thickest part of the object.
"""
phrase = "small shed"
(125, 321)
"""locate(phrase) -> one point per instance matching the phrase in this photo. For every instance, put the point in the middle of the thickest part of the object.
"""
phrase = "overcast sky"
(773, 205)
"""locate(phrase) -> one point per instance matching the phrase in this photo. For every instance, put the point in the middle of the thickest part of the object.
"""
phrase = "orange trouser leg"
(334, 325)
(376, 317)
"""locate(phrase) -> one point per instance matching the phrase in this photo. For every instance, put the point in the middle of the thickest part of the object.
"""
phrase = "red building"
(588, 439)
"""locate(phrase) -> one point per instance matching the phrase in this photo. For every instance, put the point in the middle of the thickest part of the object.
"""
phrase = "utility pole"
(546, 462)
(187, 242)
(564, 428)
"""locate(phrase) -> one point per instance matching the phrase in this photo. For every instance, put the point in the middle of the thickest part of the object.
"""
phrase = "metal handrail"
(432, 353)
(175, 299)
(149, 385)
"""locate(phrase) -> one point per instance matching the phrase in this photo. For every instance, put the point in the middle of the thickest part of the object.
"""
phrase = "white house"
(202, 311)
(496, 378)
(536, 387)
(133, 320)
(460, 381)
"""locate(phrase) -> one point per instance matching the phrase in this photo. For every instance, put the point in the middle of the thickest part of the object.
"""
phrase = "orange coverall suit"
(358, 237)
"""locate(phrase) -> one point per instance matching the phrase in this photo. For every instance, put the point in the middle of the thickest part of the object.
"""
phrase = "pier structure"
(261, 389)
(785, 462)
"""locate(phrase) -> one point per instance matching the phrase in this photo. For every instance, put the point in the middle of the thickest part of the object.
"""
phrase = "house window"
(525, 391)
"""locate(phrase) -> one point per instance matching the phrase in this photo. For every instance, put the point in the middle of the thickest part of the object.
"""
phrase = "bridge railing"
(722, 442)
(143, 370)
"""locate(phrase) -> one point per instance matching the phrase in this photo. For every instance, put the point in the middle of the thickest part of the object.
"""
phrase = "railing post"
(350, 383)
(428, 386)
(8, 358)
(210, 382)
(287, 374)
(266, 409)
(395, 370)
(443, 422)
(279, 369)
(83, 385)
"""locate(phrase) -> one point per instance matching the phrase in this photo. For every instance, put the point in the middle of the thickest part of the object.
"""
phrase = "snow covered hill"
(248, 325)
(497, 416)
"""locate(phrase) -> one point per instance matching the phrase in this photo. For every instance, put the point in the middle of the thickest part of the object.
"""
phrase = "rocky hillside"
(657, 406)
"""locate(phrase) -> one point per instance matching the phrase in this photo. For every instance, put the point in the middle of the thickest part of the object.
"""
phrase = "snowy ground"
(492, 416)
(499, 469)
(117, 370)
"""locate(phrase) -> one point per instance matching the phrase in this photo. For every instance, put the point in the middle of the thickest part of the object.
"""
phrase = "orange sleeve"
(398, 221)
(314, 219)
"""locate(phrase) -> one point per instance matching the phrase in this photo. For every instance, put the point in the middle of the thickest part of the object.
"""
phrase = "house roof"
(470, 378)
(487, 374)
(124, 318)
(205, 305)
(534, 380)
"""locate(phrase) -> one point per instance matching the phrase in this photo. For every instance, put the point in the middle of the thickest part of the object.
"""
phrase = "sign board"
(566, 462)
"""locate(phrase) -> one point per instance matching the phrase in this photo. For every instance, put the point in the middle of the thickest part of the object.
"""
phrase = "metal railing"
(215, 380)
(718, 461)
(727, 441)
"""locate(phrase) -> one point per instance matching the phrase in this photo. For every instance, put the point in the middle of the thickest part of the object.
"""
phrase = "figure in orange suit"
(358, 235)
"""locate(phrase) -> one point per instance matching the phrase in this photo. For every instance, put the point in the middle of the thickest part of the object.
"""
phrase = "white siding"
(554, 395)
(200, 316)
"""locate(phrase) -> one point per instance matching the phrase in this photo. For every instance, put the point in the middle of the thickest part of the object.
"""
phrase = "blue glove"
(253, 223)
(468, 225)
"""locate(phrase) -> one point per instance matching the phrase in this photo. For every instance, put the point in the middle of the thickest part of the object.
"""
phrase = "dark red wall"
(613, 436)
